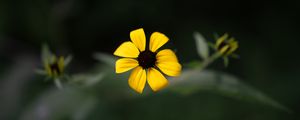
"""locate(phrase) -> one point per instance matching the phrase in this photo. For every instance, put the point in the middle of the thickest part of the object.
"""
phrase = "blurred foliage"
(86, 95)
(193, 80)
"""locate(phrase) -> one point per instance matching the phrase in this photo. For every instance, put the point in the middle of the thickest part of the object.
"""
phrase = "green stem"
(209, 60)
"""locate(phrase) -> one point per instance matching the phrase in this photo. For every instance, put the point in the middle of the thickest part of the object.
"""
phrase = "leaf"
(216, 36)
(58, 83)
(68, 59)
(40, 72)
(202, 47)
(87, 79)
(56, 104)
(192, 81)
(105, 58)
(211, 45)
(46, 54)
(236, 56)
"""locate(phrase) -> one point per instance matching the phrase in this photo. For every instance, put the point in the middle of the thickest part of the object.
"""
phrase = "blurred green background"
(267, 32)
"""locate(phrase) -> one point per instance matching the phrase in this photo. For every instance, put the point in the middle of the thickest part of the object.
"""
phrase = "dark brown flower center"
(223, 44)
(55, 68)
(147, 59)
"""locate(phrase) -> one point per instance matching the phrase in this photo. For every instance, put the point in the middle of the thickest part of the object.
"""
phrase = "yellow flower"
(226, 46)
(54, 67)
(146, 61)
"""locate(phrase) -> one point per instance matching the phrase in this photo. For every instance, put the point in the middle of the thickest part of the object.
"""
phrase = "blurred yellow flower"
(145, 62)
(54, 66)
(226, 46)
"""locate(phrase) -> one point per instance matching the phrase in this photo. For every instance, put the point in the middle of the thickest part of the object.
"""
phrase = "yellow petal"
(137, 79)
(53, 59)
(156, 80)
(221, 39)
(125, 64)
(157, 40)
(166, 55)
(61, 64)
(170, 68)
(138, 38)
(231, 40)
(224, 49)
(127, 49)
(48, 69)
(167, 62)
(233, 46)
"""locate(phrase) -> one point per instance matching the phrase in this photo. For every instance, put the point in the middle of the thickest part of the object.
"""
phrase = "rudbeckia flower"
(53, 66)
(226, 46)
(146, 61)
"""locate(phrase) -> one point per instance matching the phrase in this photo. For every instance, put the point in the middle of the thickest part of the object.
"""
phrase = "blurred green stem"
(209, 60)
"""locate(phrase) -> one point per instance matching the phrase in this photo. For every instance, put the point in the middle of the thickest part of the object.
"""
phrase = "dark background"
(267, 31)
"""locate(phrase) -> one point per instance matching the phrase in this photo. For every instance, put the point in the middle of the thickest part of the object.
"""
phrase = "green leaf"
(40, 72)
(236, 56)
(216, 36)
(87, 79)
(58, 83)
(68, 59)
(202, 47)
(46, 54)
(211, 45)
(105, 58)
(192, 81)
(55, 104)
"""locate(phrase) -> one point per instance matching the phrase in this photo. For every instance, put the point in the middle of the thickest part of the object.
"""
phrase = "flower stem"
(209, 60)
